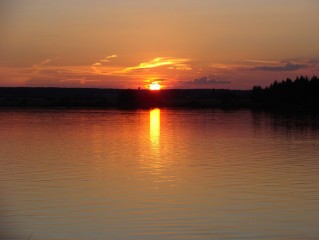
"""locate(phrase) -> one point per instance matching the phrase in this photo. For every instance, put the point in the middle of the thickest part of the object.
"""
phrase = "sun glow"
(155, 86)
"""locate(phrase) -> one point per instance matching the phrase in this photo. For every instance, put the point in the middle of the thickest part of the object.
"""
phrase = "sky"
(233, 44)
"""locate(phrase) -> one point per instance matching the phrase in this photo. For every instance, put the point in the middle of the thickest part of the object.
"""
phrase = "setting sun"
(155, 86)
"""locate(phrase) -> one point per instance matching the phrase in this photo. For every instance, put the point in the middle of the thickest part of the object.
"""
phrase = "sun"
(155, 86)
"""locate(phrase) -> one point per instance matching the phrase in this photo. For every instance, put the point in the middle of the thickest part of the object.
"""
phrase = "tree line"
(301, 92)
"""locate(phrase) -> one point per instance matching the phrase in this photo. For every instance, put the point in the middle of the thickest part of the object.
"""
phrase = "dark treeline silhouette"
(25, 97)
(184, 98)
(300, 93)
(124, 99)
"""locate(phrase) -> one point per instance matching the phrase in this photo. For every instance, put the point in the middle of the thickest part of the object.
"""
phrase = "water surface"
(159, 174)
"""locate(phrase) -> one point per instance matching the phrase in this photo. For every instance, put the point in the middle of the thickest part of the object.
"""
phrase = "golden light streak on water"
(155, 129)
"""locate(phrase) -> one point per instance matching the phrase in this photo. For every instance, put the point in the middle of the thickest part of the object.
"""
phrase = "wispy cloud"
(206, 81)
(150, 80)
(42, 63)
(171, 72)
(228, 67)
(104, 60)
(46, 61)
(283, 68)
(38, 66)
(265, 65)
(107, 59)
(175, 63)
(262, 61)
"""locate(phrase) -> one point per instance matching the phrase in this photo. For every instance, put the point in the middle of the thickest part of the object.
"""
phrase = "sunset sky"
(232, 44)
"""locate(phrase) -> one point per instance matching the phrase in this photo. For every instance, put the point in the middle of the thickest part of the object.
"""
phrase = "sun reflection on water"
(155, 128)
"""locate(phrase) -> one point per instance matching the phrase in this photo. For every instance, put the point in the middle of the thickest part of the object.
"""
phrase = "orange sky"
(181, 44)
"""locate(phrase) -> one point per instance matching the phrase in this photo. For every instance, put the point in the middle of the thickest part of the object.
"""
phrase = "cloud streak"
(107, 59)
(262, 61)
(172, 72)
(285, 68)
(203, 81)
(104, 60)
(174, 63)
(46, 61)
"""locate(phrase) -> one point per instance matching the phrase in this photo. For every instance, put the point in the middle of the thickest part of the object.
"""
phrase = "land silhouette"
(302, 93)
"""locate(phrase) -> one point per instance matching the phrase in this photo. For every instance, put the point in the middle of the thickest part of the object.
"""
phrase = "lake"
(158, 174)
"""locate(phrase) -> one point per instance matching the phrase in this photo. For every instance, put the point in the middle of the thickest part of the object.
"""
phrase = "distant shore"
(301, 94)
(30, 97)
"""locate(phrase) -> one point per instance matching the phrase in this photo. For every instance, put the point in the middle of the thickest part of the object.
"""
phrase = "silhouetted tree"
(302, 92)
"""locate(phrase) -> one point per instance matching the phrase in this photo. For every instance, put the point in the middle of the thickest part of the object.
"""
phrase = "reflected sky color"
(158, 174)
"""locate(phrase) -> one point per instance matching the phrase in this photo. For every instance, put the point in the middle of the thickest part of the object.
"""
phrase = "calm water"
(159, 174)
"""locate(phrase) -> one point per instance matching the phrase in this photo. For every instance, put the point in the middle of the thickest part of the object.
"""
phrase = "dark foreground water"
(159, 174)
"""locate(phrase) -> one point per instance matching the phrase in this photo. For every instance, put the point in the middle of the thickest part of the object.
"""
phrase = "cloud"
(228, 67)
(75, 76)
(159, 80)
(142, 69)
(287, 67)
(104, 60)
(58, 82)
(107, 59)
(36, 68)
(42, 63)
(314, 61)
(46, 61)
(177, 63)
(207, 81)
(262, 61)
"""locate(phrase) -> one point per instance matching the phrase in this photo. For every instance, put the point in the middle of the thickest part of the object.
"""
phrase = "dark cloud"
(207, 81)
(314, 60)
(287, 67)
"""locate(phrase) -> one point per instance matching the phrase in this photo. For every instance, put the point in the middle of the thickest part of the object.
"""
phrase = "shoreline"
(129, 99)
